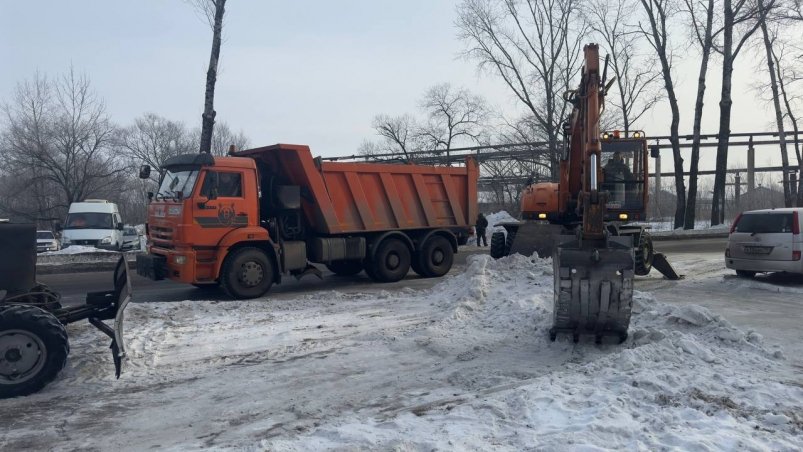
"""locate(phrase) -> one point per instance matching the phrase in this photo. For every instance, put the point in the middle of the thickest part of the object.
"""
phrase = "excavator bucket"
(530, 237)
(593, 287)
(660, 263)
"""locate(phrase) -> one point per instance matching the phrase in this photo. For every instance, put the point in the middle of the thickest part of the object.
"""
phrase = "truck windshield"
(89, 220)
(765, 223)
(177, 184)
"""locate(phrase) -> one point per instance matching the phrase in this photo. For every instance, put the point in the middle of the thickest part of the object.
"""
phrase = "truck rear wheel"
(33, 349)
(391, 261)
(247, 273)
(435, 258)
(345, 268)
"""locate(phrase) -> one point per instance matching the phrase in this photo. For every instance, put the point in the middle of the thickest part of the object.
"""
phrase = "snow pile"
(464, 365)
(75, 249)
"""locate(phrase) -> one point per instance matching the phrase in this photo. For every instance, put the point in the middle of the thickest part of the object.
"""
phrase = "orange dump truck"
(245, 220)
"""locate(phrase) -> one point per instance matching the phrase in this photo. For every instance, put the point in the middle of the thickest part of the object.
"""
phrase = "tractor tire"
(499, 246)
(247, 273)
(345, 268)
(34, 349)
(435, 258)
(391, 262)
(643, 253)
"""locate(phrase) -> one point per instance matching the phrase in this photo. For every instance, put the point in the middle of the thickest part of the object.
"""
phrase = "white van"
(766, 240)
(94, 222)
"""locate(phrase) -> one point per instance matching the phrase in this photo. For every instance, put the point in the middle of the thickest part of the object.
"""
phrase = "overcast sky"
(308, 72)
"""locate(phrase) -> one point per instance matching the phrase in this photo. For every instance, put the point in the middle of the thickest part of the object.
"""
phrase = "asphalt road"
(74, 286)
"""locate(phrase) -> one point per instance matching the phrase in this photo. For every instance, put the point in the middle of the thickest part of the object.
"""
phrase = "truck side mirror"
(144, 171)
(58, 227)
(119, 226)
(655, 151)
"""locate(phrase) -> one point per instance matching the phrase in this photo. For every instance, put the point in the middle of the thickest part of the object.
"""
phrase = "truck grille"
(161, 235)
(84, 242)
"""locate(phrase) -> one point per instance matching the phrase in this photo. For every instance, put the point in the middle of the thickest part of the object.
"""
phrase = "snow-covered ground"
(465, 365)
(75, 249)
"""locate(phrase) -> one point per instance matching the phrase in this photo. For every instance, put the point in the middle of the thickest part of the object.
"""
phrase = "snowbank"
(465, 365)
(75, 249)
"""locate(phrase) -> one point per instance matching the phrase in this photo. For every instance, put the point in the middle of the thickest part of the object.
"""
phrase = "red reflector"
(735, 222)
(796, 225)
(795, 255)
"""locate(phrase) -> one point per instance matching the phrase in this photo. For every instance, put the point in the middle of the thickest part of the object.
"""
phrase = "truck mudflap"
(593, 287)
(109, 305)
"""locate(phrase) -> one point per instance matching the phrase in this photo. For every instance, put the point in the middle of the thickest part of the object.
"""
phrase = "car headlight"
(106, 240)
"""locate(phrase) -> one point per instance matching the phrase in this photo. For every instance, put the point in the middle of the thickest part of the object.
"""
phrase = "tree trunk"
(725, 104)
(680, 187)
(795, 129)
(691, 202)
(776, 102)
(208, 116)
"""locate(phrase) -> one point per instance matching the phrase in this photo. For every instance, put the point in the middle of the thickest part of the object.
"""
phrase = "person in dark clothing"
(481, 226)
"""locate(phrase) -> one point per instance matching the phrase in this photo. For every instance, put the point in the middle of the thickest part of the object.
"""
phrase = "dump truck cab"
(203, 205)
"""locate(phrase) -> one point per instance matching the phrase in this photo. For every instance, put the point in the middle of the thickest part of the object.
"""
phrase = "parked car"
(46, 241)
(130, 238)
(766, 240)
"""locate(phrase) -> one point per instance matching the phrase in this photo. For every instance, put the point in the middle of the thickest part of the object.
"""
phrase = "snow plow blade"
(660, 263)
(109, 305)
(593, 287)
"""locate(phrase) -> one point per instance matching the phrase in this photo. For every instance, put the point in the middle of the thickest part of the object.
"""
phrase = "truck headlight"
(106, 240)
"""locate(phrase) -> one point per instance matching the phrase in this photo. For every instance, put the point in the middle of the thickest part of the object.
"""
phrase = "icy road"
(464, 365)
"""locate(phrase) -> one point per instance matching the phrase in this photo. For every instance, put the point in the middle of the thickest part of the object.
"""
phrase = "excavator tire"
(34, 346)
(644, 254)
(499, 246)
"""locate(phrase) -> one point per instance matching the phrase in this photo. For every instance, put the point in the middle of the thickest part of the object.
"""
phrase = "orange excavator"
(584, 221)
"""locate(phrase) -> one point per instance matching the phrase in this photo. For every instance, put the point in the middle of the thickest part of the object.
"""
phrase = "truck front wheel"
(391, 261)
(33, 349)
(247, 273)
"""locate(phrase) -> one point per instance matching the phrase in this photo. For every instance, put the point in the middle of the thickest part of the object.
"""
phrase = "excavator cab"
(625, 175)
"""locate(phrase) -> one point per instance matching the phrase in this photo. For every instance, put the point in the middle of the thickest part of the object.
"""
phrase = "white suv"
(766, 240)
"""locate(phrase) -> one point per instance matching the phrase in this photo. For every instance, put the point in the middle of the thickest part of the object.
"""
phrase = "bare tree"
(213, 11)
(635, 77)
(768, 39)
(223, 138)
(399, 136)
(701, 21)
(534, 46)
(58, 139)
(452, 115)
(659, 14)
(784, 79)
(740, 18)
(153, 139)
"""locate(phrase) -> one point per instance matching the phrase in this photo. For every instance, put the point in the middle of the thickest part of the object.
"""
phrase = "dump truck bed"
(343, 198)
